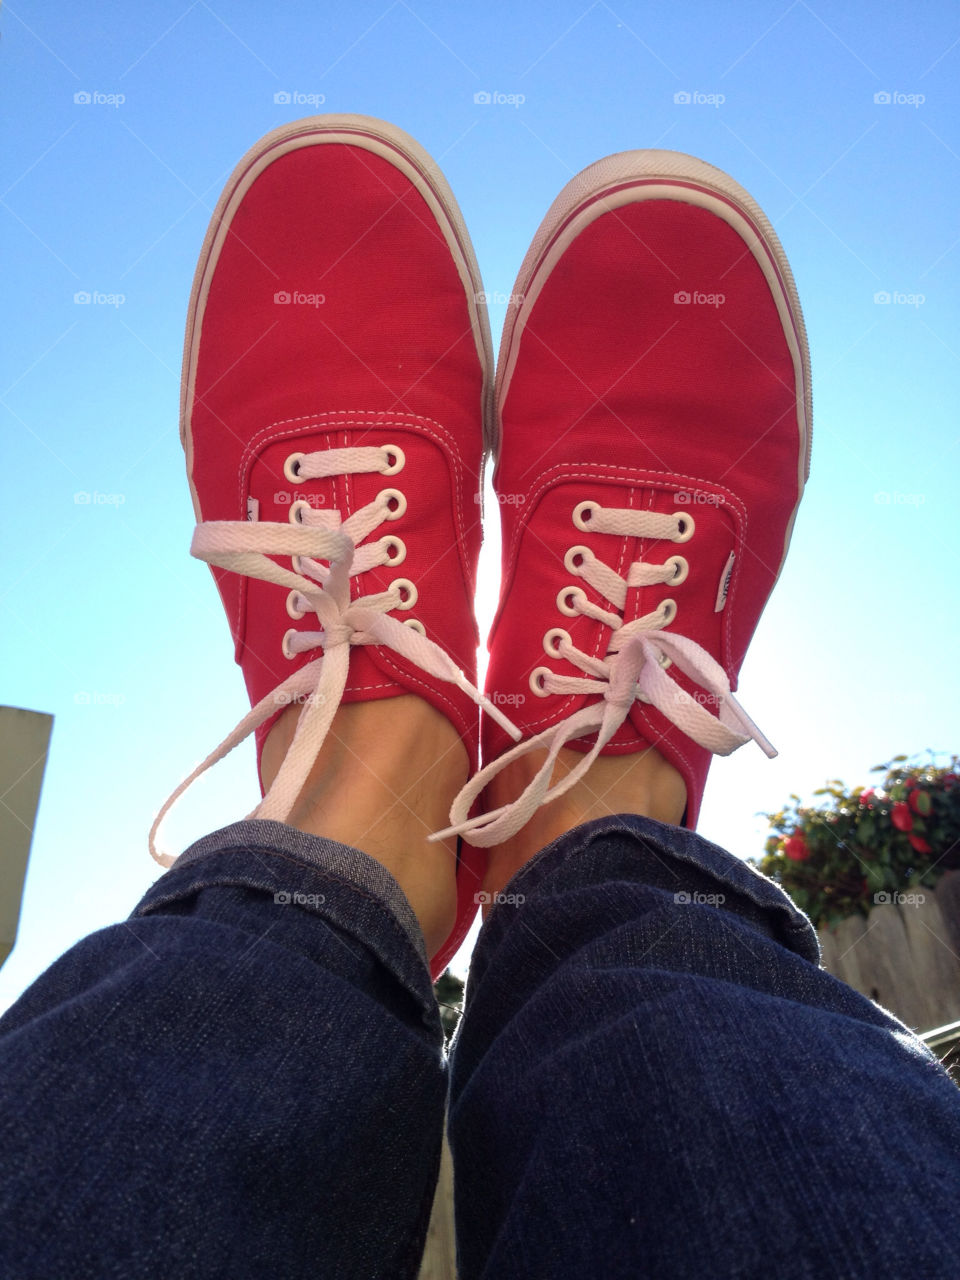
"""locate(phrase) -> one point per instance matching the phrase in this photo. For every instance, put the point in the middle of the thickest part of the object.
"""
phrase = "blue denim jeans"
(652, 1078)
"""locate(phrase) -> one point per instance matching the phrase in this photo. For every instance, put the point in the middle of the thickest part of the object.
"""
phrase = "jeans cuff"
(361, 896)
(660, 847)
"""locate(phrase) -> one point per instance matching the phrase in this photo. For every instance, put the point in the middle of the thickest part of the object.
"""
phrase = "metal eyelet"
(297, 510)
(399, 459)
(408, 593)
(575, 558)
(571, 593)
(292, 609)
(686, 525)
(681, 568)
(537, 676)
(583, 515)
(393, 495)
(415, 625)
(291, 468)
(669, 611)
(553, 639)
(285, 645)
(399, 553)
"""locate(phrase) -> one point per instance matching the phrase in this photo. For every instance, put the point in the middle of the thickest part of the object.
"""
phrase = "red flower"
(866, 796)
(902, 818)
(919, 844)
(796, 849)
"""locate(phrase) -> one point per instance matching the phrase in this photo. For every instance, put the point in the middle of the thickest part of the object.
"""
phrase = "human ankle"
(641, 783)
(382, 782)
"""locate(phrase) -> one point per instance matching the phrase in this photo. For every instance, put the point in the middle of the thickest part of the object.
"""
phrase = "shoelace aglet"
(740, 717)
(765, 745)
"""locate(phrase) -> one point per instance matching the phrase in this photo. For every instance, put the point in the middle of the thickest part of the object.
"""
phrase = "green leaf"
(875, 878)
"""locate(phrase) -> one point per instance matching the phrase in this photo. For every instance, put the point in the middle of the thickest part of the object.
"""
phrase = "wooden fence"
(440, 1254)
(905, 955)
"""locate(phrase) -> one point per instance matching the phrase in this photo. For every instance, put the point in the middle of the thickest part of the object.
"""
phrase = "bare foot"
(383, 781)
(641, 783)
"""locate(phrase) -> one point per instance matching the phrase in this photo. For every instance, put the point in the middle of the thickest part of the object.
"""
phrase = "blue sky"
(107, 623)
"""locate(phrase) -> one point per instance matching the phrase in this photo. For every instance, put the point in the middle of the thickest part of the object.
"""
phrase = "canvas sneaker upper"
(336, 408)
(654, 406)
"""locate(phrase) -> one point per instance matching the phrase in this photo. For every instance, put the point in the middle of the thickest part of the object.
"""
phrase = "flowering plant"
(865, 846)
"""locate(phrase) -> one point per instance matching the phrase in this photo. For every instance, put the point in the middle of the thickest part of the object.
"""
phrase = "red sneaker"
(336, 394)
(653, 389)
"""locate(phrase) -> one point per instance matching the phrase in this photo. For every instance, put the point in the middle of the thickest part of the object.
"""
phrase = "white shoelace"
(313, 536)
(633, 669)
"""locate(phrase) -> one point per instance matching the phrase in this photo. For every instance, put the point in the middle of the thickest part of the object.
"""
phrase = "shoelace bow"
(633, 669)
(313, 536)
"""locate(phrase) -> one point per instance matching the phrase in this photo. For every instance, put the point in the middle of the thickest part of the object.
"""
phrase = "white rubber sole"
(630, 176)
(406, 154)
